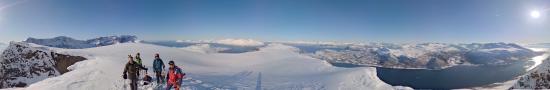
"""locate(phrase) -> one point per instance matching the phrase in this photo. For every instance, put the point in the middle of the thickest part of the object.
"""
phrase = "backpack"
(138, 60)
(179, 73)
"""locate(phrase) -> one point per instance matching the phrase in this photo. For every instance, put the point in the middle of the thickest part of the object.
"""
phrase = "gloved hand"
(125, 76)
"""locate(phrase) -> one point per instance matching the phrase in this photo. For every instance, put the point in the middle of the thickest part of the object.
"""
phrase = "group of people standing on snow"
(133, 67)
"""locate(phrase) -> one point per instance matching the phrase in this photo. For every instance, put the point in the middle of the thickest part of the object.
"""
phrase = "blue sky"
(455, 21)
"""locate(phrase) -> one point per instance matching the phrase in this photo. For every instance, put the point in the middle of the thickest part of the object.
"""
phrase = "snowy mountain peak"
(70, 43)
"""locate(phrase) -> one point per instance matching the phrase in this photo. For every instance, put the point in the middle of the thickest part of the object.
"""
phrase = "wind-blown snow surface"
(275, 66)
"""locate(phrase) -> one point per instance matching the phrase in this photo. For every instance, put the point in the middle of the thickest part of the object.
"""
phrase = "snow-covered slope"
(426, 55)
(67, 42)
(275, 67)
(22, 64)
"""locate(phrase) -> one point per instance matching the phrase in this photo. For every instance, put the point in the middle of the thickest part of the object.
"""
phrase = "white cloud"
(240, 42)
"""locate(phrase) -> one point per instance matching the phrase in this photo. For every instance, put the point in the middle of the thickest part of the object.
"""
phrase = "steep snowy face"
(426, 55)
(70, 43)
(22, 64)
(539, 78)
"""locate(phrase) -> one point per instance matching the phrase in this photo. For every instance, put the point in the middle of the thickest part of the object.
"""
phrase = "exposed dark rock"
(21, 64)
(64, 61)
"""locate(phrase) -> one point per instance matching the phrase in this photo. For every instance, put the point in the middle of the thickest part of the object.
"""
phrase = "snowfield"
(274, 66)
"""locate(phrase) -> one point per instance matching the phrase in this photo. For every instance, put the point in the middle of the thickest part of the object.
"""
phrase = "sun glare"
(535, 14)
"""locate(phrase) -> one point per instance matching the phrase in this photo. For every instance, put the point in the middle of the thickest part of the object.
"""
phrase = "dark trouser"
(158, 75)
(133, 83)
(138, 72)
(175, 85)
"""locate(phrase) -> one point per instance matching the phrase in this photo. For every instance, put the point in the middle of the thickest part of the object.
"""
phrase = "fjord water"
(462, 76)
(453, 77)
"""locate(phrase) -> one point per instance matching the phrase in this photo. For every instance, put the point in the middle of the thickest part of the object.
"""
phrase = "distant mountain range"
(422, 56)
(70, 43)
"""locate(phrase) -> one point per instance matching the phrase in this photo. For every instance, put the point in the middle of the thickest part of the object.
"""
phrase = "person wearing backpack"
(131, 70)
(174, 77)
(158, 66)
(138, 61)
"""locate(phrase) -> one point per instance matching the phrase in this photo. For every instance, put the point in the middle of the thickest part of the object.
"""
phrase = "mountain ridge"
(70, 43)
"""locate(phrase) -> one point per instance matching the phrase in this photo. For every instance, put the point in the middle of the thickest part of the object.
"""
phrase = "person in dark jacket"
(130, 72)
(158, 66)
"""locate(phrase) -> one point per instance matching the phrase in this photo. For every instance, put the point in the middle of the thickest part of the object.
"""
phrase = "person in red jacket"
(174, 77)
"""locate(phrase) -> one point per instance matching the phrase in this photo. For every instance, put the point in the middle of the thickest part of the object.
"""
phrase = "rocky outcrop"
(539, 78)
(22, 64)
